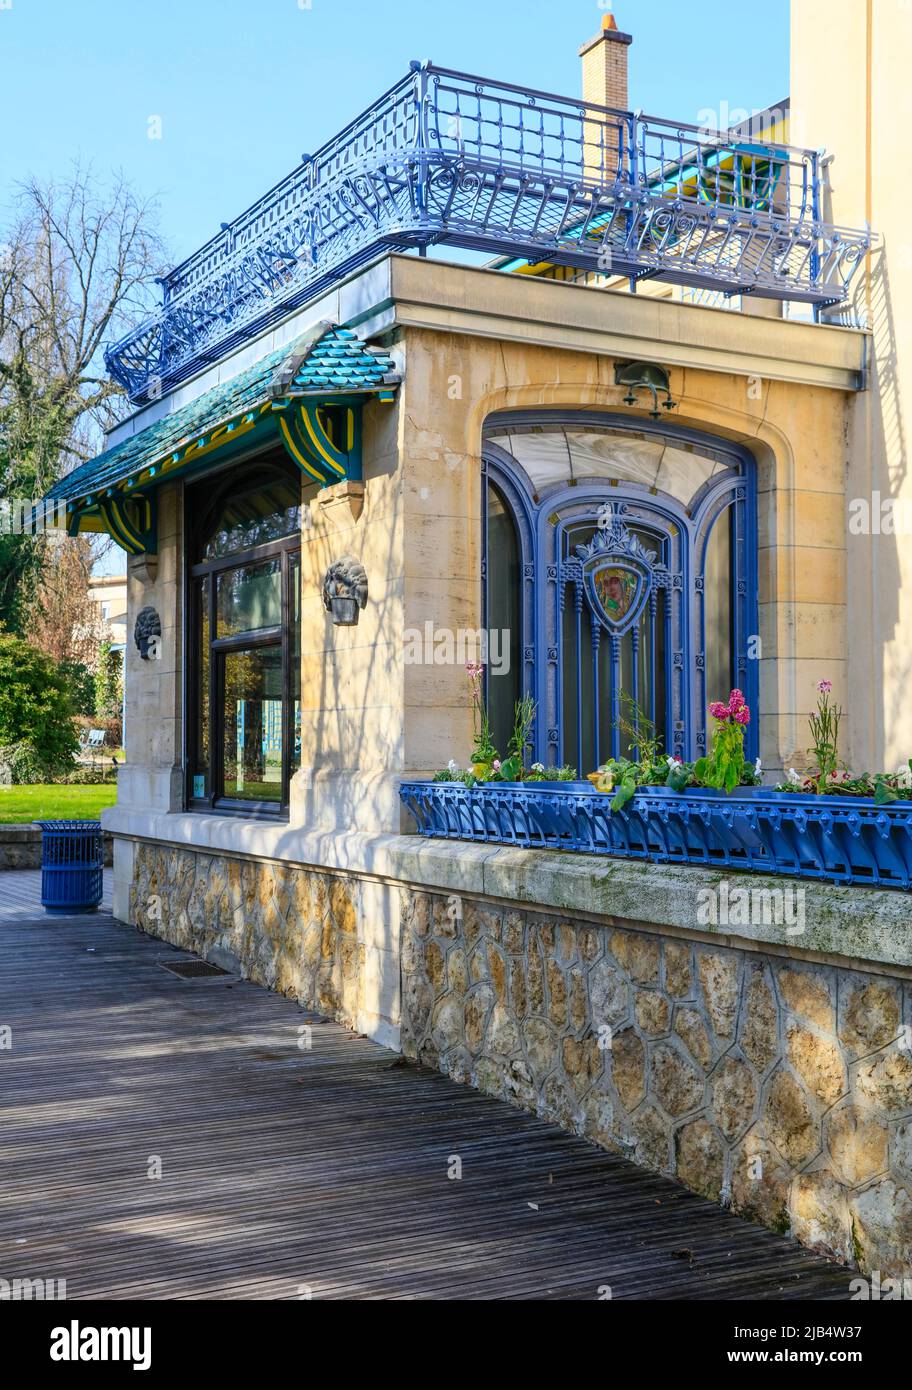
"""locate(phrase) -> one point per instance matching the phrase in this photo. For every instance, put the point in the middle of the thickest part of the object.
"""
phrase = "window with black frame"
(244, 671)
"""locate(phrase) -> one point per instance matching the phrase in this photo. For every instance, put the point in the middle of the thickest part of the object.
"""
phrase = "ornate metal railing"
(447, 158)
(842, 839)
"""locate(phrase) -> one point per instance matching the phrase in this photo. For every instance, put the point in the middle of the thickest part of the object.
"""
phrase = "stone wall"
(780, 1086)
(291, 929)
(763, 1074)
(20, 847)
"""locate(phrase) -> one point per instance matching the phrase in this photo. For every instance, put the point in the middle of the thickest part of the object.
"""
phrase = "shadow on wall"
(879, 513)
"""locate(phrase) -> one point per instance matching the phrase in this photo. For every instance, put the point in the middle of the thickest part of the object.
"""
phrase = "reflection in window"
(652, 611)
(502, 620)
(252, 725)
(244, 686)
(295, 574)
(266, 507)
(200, 770)
(250, 598)
(720, 674)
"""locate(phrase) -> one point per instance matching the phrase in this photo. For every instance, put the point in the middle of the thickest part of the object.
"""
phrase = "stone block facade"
(773, 1082)
(780, 1087)
(287, 928)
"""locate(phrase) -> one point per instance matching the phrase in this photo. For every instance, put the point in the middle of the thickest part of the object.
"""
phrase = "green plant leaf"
(678, 777)
(883, 794)
(623, 794)
(702, 771)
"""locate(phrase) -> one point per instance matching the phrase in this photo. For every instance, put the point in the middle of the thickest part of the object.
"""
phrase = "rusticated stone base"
(773, 1082)
(291, 929)
(780, 1086)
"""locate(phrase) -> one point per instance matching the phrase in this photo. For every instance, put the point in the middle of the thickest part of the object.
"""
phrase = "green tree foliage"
(36, 705)
(76, 263)
(109, 683)
(82, 686)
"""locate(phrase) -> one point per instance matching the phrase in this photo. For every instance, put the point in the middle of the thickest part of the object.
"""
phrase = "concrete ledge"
(452, 298)
(20, 846)
(854, 924)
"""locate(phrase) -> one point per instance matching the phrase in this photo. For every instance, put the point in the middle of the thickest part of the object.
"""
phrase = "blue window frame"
(627, 556)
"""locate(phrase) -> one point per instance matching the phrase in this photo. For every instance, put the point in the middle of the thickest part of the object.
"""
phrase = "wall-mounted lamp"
(644, 376)
(345, 591)
(147, 633)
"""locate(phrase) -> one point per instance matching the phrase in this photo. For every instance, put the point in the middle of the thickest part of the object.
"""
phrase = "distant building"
(110, 594)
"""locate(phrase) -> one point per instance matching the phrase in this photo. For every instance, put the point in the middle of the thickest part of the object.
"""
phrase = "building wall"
(768, 1084)
(151, 777)
(760, 1070)
(309, 935)
(111, 590)
(318, 907)
(352, 679)
(851, 94)
(796, 433)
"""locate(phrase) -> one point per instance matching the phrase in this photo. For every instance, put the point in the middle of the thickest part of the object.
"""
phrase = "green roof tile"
(332, 360)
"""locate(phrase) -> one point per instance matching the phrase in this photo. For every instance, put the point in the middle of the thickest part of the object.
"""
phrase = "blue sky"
(242, 87)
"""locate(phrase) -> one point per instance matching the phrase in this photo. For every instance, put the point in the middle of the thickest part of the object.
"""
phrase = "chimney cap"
(609, 31)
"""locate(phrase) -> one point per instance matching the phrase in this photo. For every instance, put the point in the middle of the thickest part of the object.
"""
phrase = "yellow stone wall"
(369, 715)
(795, 432)
(851, 93)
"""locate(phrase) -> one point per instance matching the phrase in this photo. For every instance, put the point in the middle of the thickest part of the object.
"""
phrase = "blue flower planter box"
(839, 838)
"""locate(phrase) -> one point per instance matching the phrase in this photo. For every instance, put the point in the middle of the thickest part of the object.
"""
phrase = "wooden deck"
(288, 1173)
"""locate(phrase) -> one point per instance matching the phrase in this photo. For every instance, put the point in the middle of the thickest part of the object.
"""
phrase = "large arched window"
(622, 560)
(244, 681)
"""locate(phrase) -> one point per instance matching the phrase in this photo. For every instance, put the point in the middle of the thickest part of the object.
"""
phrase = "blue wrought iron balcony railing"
(446, 158)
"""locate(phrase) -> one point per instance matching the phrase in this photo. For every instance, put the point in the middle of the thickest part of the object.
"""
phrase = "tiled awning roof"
(328, 363)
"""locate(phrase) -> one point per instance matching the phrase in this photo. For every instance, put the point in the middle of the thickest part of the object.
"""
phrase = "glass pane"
(265, 508)
(587, 763)
(570, 683)
(249, 598)
(200, 773)
(613, 740)
(660, 675)
(504, 621)
(294, 574)
(718, 611)
(605, 729)
(555, 456)
(252, 715)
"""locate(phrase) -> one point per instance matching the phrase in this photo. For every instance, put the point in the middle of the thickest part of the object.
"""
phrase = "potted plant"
(823, 824)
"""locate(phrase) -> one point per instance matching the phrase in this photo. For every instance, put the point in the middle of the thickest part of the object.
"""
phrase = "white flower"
(452, 765)
(904, 775)
(794, 778)
(538, 767)
(672, 762)
(757, 768)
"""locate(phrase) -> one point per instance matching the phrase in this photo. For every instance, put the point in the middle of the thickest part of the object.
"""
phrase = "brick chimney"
(605, 66)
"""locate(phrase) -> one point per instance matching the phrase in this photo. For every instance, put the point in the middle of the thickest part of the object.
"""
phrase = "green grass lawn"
(19, 804)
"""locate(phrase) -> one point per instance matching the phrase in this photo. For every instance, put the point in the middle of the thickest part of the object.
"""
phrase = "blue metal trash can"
(72, 859)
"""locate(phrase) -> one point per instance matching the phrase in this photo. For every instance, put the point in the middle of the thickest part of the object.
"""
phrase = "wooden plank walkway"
(289, 1173)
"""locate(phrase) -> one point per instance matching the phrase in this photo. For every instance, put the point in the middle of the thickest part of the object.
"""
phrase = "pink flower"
(496, 764)
(735, 701)
(718, 710)
(824, 687)
(742, 715)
